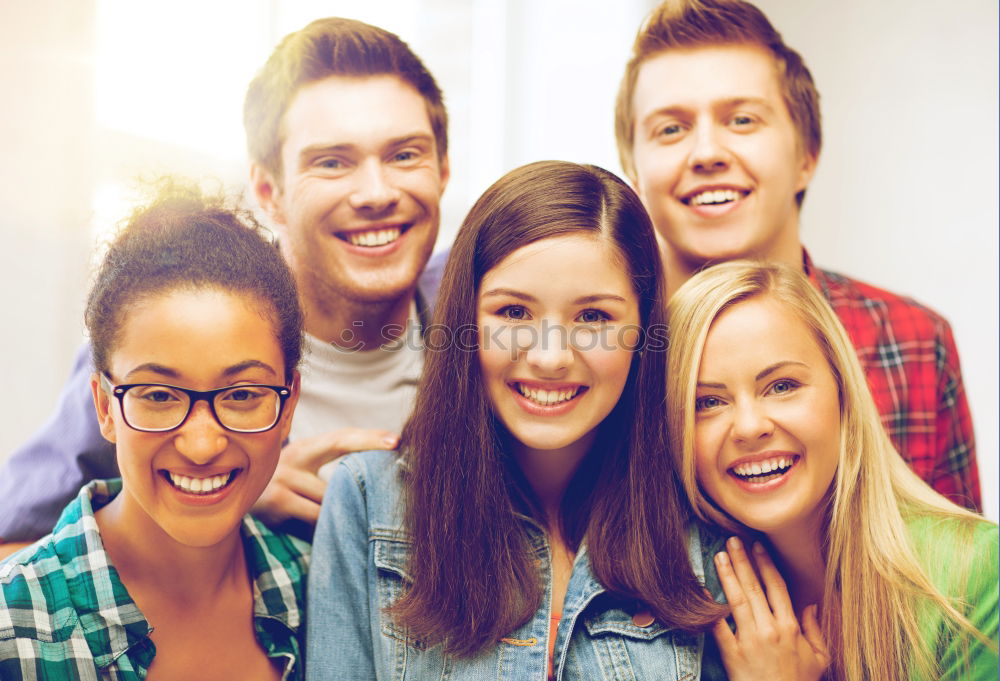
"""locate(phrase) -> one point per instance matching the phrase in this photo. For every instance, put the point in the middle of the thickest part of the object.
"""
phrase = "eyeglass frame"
(194, 396)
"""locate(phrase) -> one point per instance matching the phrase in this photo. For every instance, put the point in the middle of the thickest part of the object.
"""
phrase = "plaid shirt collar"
(112, 623)
(815, 274)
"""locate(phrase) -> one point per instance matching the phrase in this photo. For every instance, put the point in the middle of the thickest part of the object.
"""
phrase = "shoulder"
(971, 544)
(276, 550)
(911, 316)
(962, 564)
(430, 279)
(374, 473)
(36, 603)
(365, 490)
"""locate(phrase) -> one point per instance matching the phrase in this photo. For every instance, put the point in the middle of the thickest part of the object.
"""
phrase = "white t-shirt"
(372, 389)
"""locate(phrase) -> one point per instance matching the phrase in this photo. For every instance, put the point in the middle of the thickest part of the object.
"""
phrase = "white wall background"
(97, 92)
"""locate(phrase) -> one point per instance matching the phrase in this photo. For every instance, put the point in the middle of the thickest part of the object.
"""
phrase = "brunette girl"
(196, 333)
(779, 441)
(530, 524)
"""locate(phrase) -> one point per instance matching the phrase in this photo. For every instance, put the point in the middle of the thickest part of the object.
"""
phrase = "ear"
(104, 405)
(268, 193)
(286, 416)
(806, 170)
(445, 166)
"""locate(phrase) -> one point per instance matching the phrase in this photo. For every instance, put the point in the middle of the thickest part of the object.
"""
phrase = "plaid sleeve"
(955, 473)
(910, 360)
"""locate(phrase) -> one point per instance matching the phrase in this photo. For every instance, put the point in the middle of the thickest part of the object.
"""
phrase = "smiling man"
(718, 128)
(347, 137)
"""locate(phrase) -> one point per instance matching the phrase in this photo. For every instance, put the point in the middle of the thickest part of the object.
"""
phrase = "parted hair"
(330, 47)
(876, 582)
(472, 570)
(686, 24)
(183, 239)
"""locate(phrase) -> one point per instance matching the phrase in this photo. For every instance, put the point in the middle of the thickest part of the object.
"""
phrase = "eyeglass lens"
(161, 407)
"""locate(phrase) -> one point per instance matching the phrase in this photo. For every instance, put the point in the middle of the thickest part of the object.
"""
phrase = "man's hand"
(768, 643)
(296, 489)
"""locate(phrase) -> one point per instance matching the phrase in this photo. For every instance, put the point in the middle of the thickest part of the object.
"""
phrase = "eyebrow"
(167, 372)
(730, 103)
(764, 373)
(736, 102)
(582, 300)
(314, 150)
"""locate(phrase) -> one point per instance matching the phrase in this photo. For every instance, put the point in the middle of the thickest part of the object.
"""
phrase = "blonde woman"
(779, 442)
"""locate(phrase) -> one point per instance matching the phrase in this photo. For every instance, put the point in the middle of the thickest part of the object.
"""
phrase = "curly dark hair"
(185, 238)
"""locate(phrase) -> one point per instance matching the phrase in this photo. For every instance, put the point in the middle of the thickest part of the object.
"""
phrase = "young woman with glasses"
(196, 333)
(530, 527)
(779, 442)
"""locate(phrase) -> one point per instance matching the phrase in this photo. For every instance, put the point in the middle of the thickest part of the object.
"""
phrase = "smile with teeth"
(548, 398)
(763, 471)
(201, 485)
(714, 197)
(373, 237)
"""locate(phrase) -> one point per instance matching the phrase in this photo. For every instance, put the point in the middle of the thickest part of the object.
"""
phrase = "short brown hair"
(330, 47)
(700, 23)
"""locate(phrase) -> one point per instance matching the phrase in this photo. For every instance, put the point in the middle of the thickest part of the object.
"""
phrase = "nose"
(751, 422)
(548, 351)
(709, 154)
(200, 438)
(374, 190)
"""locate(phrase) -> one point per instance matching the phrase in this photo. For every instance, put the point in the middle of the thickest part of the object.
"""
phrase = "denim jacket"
(358, 568)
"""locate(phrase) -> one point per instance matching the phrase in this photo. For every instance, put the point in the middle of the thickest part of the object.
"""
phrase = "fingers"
(312, 452)
(814, 635)
(777, 592)
(299, 482)
(738, 602)
(295, 490)
(277, 505)
(726, 640)
(749, 583)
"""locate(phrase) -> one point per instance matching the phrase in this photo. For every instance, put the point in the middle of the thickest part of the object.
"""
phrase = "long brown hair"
(474, 579)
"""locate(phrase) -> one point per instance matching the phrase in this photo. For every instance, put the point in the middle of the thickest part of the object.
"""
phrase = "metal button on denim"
(643, 618)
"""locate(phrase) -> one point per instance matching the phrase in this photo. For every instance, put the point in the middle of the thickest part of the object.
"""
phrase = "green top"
(65, 614)
(961, 561)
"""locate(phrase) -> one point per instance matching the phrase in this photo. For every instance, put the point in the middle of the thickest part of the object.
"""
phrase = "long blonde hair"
(875, 581)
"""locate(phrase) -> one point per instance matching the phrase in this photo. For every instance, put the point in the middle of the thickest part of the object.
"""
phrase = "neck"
(353, 324)
(549, 471)
(146, 557)
(799, 558)
(679, 267)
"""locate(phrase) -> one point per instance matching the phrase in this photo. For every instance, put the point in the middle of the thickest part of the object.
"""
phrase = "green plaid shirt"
(65, 614)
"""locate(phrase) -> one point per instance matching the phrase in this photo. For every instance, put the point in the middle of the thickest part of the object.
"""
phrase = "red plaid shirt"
(909, 356)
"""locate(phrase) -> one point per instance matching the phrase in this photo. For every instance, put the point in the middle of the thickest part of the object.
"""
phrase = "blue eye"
(784, 386)
(515, 313)
(672, 129)
(707, 402)
(593, 316)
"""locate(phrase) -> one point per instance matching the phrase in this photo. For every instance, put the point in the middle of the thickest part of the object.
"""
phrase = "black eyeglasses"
(157, 408)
